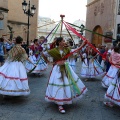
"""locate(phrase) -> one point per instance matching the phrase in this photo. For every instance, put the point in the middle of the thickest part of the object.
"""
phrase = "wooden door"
(97, 39)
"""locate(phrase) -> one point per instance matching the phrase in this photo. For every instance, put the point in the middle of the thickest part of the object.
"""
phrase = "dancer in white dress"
(43, 42)
(13, 77)
(37, 59)
(64, 86)
(71, 59)
(113, 91)
(111, 74)
(90, 66)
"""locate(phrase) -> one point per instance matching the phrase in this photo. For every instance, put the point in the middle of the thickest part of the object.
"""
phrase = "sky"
(72, 9)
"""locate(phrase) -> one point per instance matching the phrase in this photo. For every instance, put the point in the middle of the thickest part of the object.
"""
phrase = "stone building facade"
(18, 21)
(102, 18)
(4, 15)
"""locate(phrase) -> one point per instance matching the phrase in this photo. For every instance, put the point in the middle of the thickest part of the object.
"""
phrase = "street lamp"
(81, 30)
(30, 13)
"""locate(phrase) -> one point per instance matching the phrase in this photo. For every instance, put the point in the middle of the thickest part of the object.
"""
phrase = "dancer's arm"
(95, 56)
(6, 40)
(46, 59)
(31, 61)
(62, 62)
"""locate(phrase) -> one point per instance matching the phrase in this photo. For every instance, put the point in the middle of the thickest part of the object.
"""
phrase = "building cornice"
(92, 3)
(4, 9)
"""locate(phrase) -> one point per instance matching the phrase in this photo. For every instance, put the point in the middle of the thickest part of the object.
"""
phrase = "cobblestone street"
(34, 107)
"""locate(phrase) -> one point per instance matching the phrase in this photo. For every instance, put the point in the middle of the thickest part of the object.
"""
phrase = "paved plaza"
(34, 107)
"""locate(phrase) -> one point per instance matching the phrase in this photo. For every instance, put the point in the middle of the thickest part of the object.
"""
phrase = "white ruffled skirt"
(41, 66)
(113, 91)
(91, 69)
(13, 79)
(64, 89)
(107, 79)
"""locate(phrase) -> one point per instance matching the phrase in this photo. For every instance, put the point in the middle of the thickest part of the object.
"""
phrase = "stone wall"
(19, 21)
(4, 10)
(102, 13)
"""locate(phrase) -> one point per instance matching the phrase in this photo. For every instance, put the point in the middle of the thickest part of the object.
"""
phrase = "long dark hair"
(59, 39)
(35, 40)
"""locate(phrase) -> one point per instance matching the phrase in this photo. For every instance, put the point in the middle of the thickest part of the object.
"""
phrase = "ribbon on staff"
(55, 31)
(87, 42)
(71, 79)
(90, 31)
(83, 38)
(71, 53)
(50, 33)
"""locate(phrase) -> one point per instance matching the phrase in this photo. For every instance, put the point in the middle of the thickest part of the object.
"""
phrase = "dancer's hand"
(85, 42)
(61, 62)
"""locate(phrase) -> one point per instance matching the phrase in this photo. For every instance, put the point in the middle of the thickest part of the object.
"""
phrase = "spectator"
(2, 51)
(8, 45)
(24, 45)
(102, 50)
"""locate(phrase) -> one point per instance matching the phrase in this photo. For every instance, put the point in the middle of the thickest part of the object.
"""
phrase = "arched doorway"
(97, 39)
